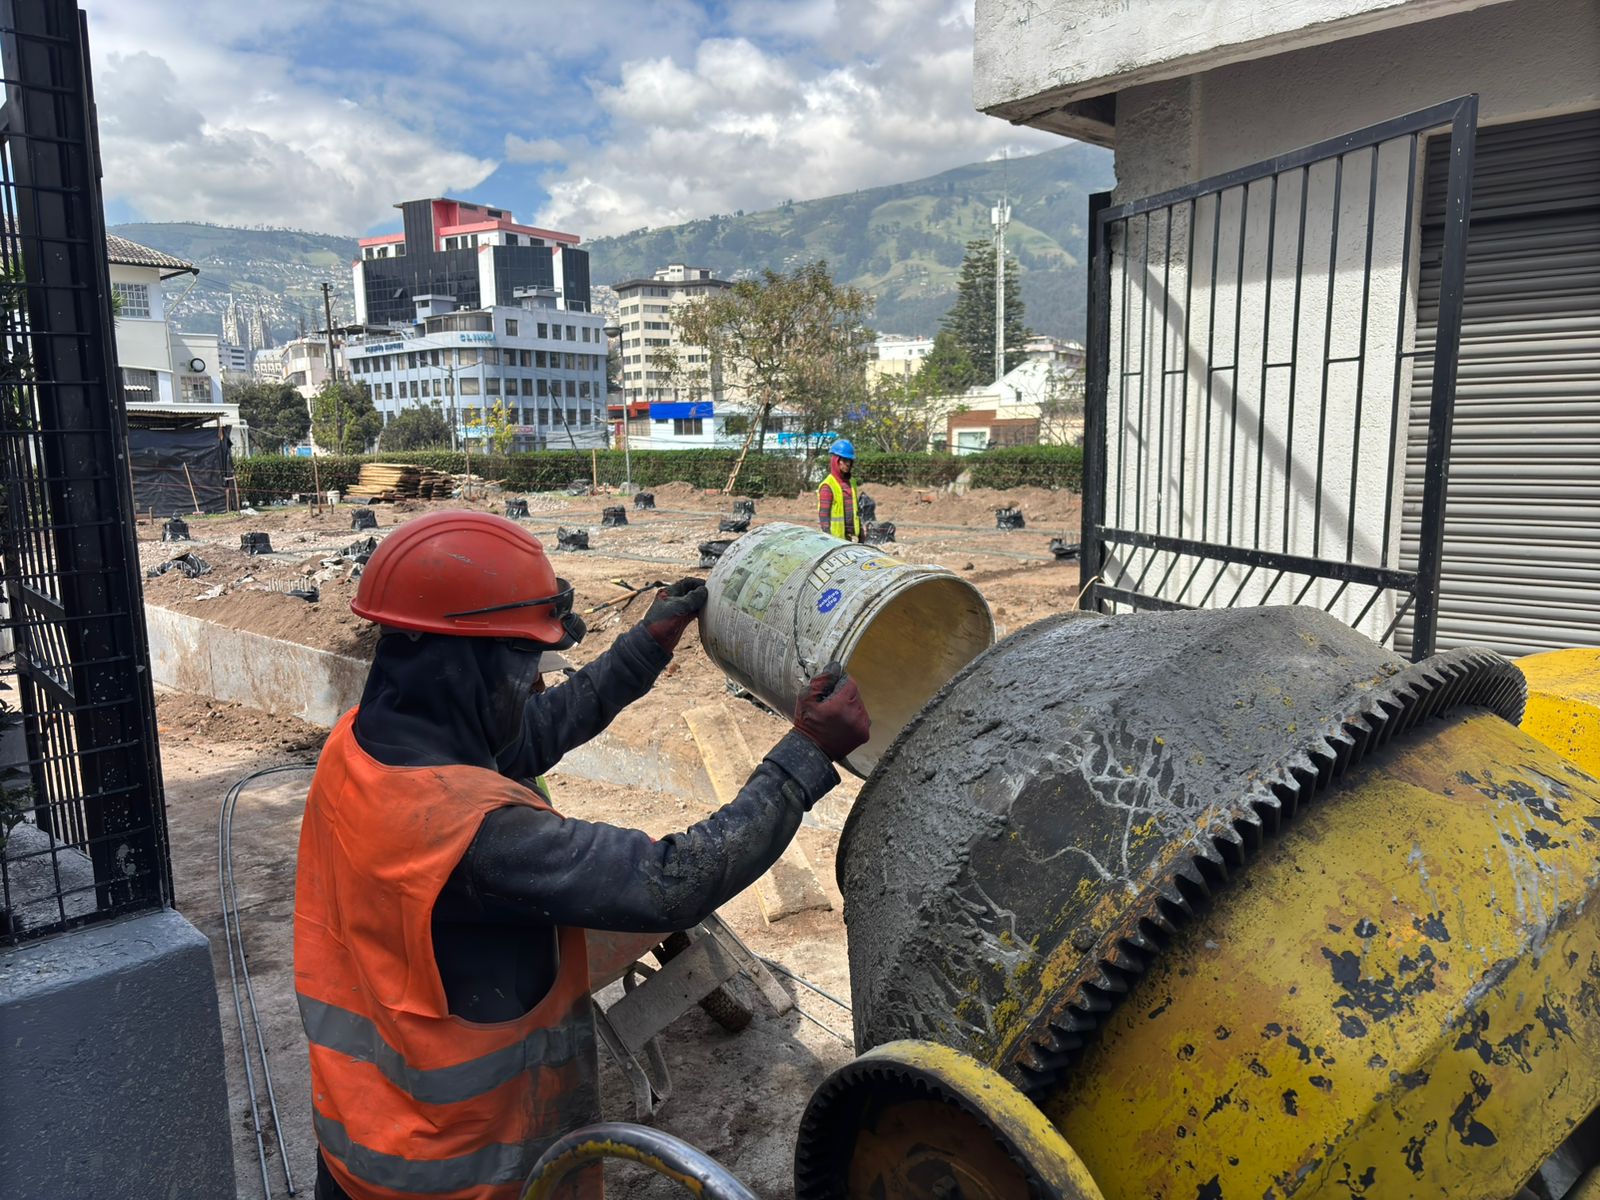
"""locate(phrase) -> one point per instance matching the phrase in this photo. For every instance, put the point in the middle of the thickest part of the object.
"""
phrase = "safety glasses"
(562, 601)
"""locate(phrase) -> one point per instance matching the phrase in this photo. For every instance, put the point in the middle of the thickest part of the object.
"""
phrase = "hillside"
(279, 270)
(903, 242)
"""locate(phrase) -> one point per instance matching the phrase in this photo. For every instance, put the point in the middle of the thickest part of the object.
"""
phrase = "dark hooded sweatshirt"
(432, 701)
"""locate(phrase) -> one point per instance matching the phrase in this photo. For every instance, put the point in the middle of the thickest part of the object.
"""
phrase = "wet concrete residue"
(1028, 843)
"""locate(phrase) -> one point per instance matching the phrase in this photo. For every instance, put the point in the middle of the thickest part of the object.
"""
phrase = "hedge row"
(1028, 466)
(264, 478)
(268, 477)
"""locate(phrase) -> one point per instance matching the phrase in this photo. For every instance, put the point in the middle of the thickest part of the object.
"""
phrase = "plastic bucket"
(786, 600)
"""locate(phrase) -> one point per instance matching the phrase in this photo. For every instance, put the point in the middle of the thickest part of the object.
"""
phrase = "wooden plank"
(791, 885)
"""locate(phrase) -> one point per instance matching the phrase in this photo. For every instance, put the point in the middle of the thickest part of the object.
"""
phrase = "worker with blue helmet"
(837, 511)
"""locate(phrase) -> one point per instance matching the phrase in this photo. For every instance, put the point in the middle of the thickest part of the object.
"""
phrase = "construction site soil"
(739, 1097)
(1014, 569)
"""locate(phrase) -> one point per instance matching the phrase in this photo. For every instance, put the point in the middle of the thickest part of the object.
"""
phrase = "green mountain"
(279, 271)
(903, 242)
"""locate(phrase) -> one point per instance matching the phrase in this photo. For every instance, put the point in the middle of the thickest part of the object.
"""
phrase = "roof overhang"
(1060, 69)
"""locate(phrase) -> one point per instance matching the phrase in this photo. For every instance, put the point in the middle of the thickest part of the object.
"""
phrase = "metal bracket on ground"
(656, 997)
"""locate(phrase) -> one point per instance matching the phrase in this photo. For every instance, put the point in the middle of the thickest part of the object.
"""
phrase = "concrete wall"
(1525, 58)
(1051, 66)
(112, 1062)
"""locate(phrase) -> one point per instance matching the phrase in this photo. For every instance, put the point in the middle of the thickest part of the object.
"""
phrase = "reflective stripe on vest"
(410, 1100)
(836, 525)
(354, 1036)
(494, 1165)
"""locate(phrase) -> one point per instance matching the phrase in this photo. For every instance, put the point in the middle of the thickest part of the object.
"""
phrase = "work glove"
(831, 714)
(673, 610)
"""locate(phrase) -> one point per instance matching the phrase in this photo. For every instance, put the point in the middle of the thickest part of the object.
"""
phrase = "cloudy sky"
(597, 117)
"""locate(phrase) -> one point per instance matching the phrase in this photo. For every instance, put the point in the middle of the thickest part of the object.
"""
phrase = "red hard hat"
(468, 574)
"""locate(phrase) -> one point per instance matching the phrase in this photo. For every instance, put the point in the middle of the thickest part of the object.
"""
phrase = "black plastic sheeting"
(158, 458)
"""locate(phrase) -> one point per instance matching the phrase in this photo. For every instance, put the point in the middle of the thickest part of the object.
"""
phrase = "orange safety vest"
(836, 522)
(408, 1100)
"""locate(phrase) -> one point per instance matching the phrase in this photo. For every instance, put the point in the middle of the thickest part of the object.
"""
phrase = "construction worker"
(440, 907)
(836, 498)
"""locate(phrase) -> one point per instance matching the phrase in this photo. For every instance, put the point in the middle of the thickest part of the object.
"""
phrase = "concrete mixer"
(1217, 904)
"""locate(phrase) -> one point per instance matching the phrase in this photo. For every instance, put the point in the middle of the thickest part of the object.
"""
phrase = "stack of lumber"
(435, 485)
(386, 482)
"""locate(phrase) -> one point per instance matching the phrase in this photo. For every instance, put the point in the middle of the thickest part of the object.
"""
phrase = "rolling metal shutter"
(1521, 555)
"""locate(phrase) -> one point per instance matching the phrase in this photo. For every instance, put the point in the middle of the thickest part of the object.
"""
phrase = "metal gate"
(1251, 347)
(1522, 530)
(82, 824)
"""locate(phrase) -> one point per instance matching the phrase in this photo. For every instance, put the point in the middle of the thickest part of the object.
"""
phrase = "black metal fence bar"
(82, 831)
(1353, 246)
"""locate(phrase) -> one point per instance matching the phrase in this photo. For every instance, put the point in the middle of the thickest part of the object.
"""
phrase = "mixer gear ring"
(918, 1121)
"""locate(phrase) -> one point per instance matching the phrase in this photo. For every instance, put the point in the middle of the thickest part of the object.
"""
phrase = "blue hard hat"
(843, 449)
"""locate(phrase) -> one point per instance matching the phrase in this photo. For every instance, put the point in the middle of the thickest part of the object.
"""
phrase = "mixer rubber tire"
(721, 1005)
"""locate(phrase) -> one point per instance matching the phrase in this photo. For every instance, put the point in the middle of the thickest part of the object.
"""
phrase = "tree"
(1061, 408)
(343, 419)
(275, 412)
(971, 317)
(948, 368)
(795, 339)
(494, 425)
(419, 428)
(900, 416)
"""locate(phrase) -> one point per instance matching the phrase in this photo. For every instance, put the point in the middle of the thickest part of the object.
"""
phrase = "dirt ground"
(1013, 569)
(739, 1097)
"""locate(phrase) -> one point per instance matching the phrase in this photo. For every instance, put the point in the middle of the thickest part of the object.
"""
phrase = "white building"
(467, 310)
(232, 359)
(267, 365)
(303, 363)
(1186, 91)
(546, 365)
(663, 409)
(897, 357)
(165, 371)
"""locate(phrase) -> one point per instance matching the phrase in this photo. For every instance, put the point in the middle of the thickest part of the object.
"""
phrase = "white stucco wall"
(1034, 55)
(1527, 58)
(1524, 59)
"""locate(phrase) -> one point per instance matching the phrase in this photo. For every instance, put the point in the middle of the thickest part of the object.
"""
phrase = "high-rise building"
(469, 311)
(689, 400)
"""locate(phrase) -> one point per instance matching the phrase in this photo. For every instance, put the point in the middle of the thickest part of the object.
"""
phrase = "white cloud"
(814, 99)
(640, 112)
(191, 130)
(533, 150)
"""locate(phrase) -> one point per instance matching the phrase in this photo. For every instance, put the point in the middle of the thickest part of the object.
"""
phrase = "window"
(468, 358)
(544, 330)
(492, 385)
(688, 428)
(544, 416)
(388, 391)
(133, 299)
(572, 389)
(469, 386)
(544, 387)
(583, 388)
(583, 417)
(735, 425)
(139, 385)
(586, 333)
(572, 333)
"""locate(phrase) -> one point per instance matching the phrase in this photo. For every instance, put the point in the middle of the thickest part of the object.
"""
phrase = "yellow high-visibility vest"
(836, 517)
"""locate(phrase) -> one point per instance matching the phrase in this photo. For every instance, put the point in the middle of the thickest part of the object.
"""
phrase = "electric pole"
(1001, 217)
(338, 400)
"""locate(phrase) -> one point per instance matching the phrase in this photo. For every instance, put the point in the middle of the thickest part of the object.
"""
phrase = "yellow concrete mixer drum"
(1239, 905)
